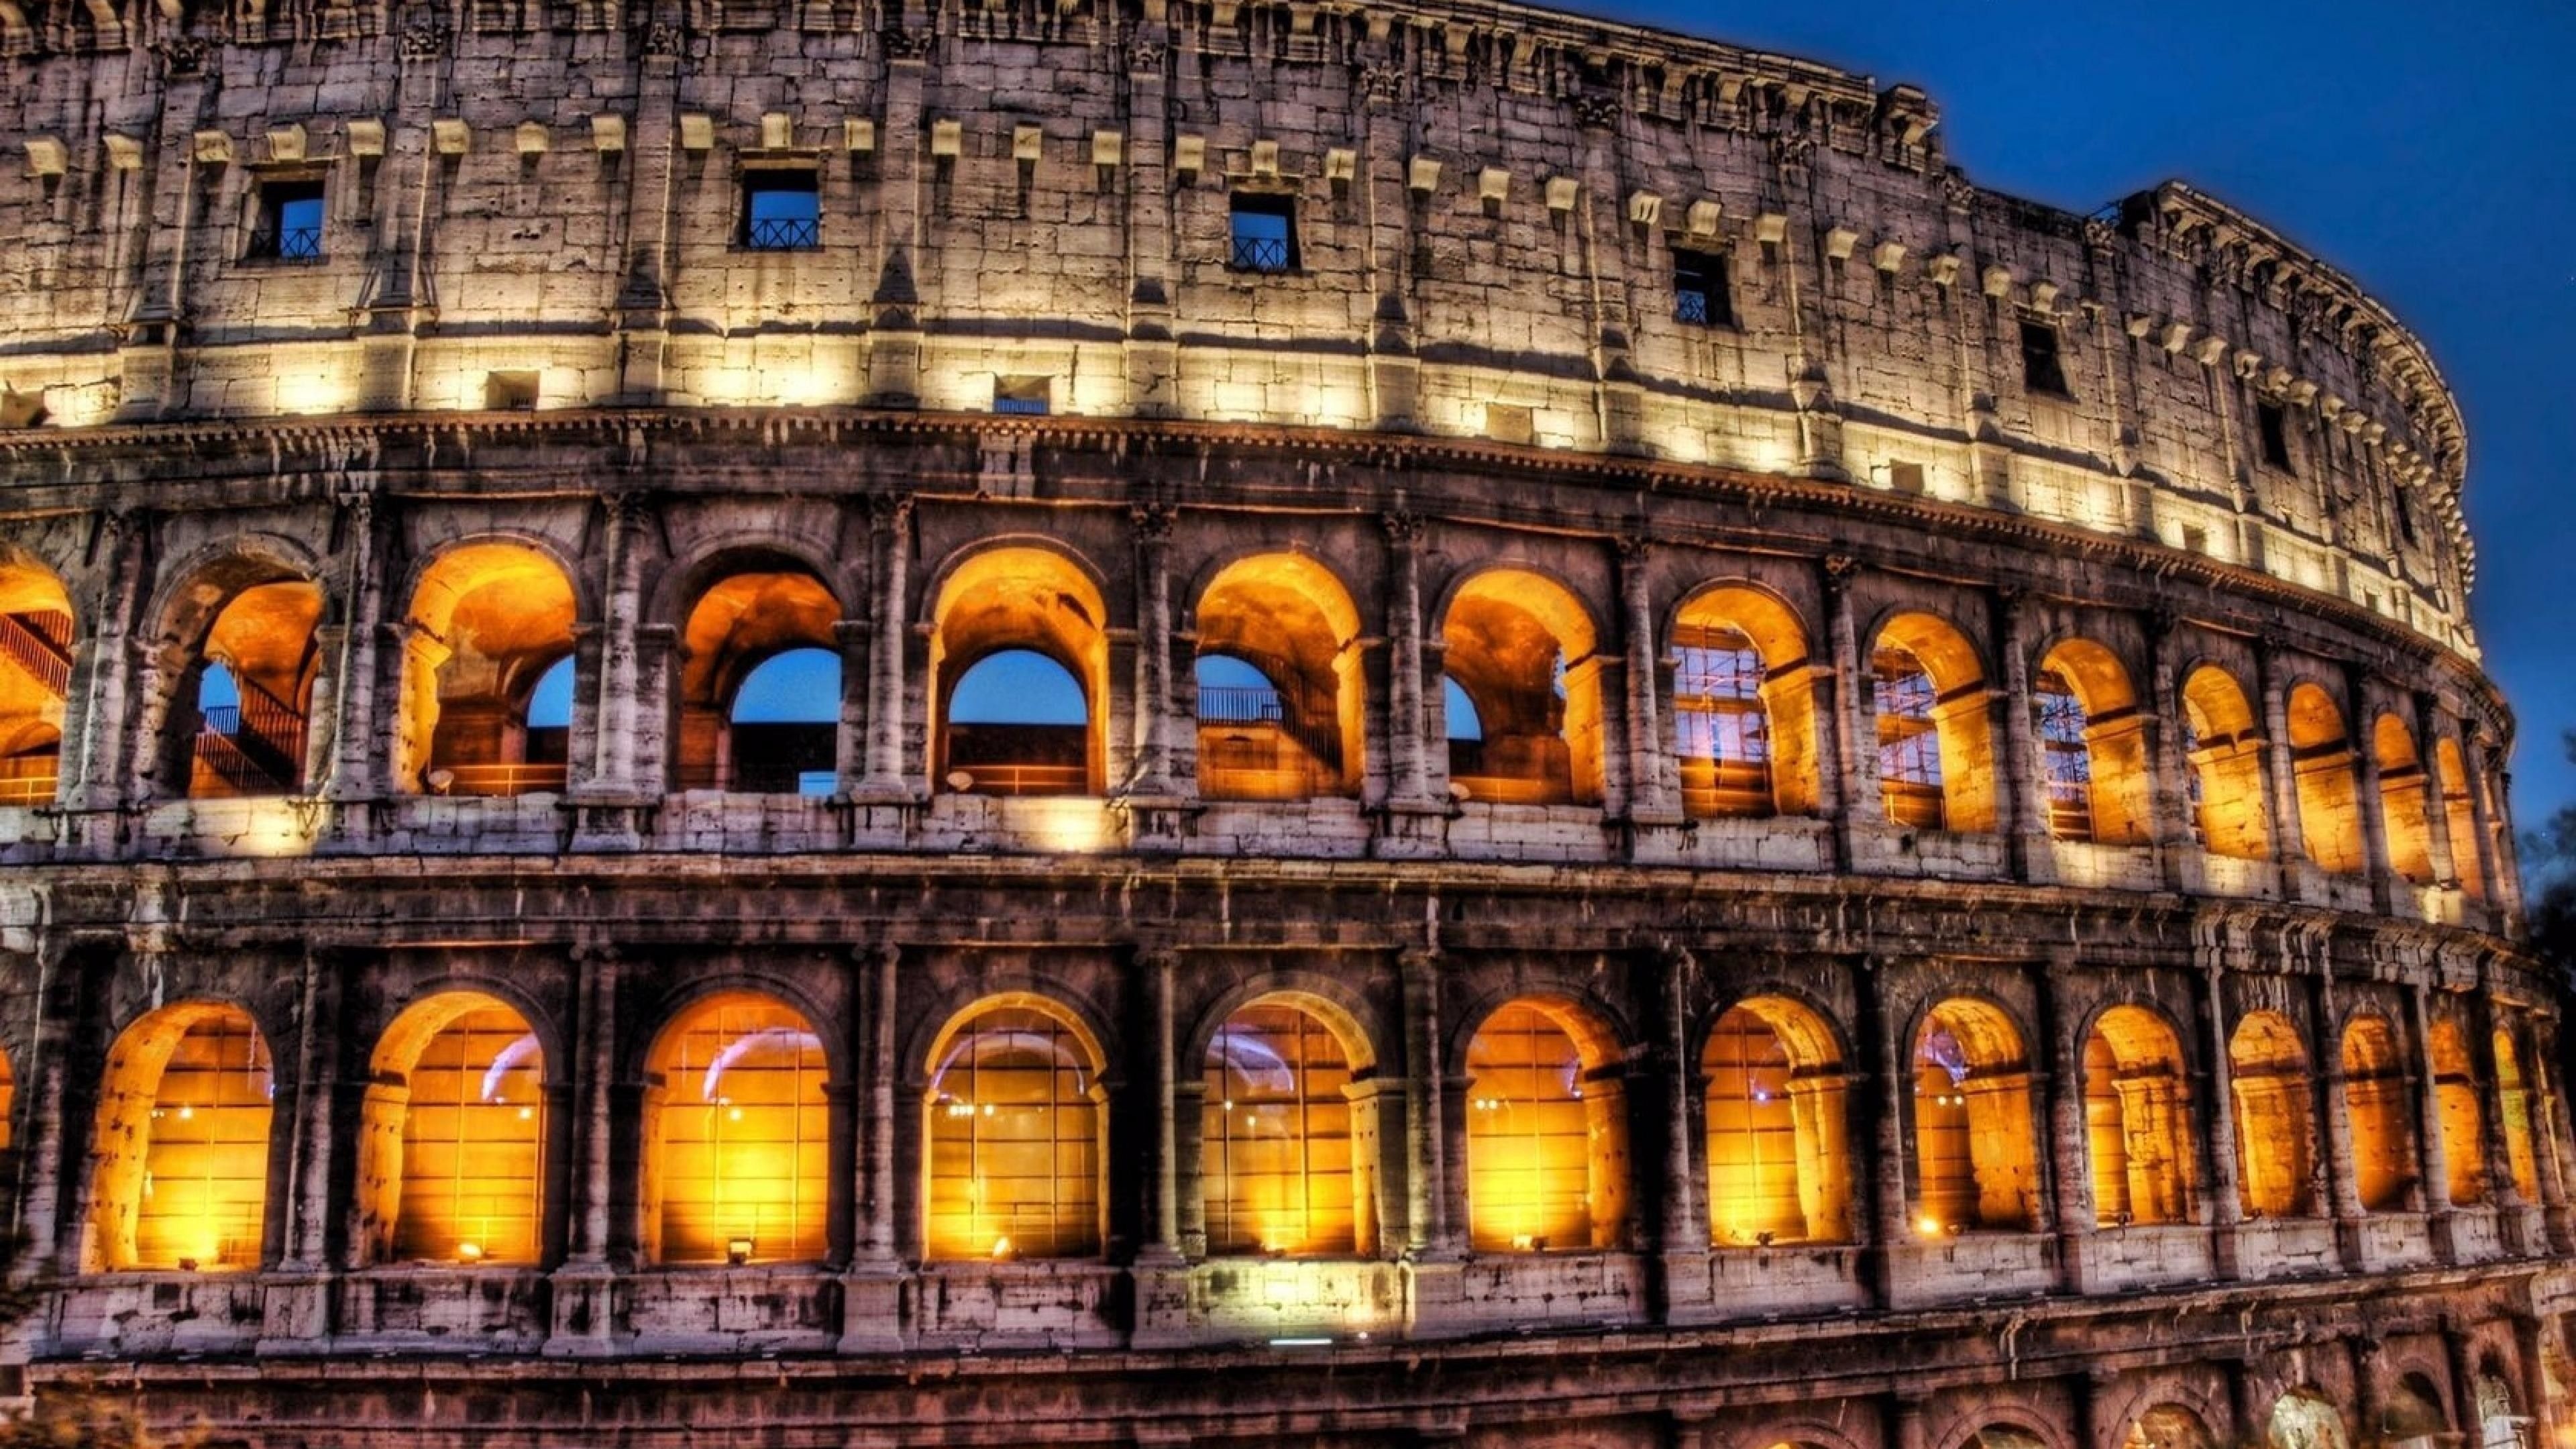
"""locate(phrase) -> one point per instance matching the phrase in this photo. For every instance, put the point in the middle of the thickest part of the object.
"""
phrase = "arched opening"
(237, 722)
(738, 1132)
(2224, 744)
(2376, 1113)
(2459, 818)
(1779, 1158)
(2003, 1436)
(1521, 648)
(1279, 686)
(1976, 1153)
(2329, 797)
(179, 1175)
(1021, 664)
(2303, 1420)
(451, 1149)
(36, 633)
(2276, 1139)
(2137, 1117)
(487, 622)
(1547, 1140)
(1016, 1116)
(2500, 1426)
(2093, 747)
(2410, 1416)
(1744, 714)
(1279, 1134)
(1935, 736)
(2513, 1102)
(760, 686)
(2167, 1426)
(2463, 1125)
(2402, 815)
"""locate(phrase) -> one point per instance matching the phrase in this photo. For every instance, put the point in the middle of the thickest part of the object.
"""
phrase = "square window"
(2195, 539)
(1265, 233)
(2274, 424)
(2041, 370)
(1029, 396)
(510, 392)
(1701, 297)
(290, 222)
(782, 211)
(1905, 478)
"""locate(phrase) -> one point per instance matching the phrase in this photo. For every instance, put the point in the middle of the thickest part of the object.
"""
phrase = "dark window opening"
(2041, 368)
(2274, 425)
(1265, 233)
(1032, 396)
(2405, 517)
(290, 222)
(510, 392)
(782, 211)
(1701, 297)
(1905, 478)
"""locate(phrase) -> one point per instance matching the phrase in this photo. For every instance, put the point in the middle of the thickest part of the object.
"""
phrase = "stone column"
(582, 1315)
(2549, 1136)
(2492, 1148)
(2433, 1155)
(2068, 1159)
(1407, 748)
(1654, 789)
(297, 1312)
(39, 1200)
(1848, 761)
(2226, 1193)
(871, 1291)
(1385, 205)
(890, 545)
(1905, 1424)
(1152, 352)
(356, 770)
(1160, 1239)
(2289, 836)
(2374, 811)
(1891, 1224)
(612, 743)
(2026, 797)
(1620, 399)
(2342, 1197)
(1152, 725)
(2461, 1350)
(643, 306)
(2437, 818)
(2370, 1404)
(1427, 1227)
(852, 641)
(2531, 1355)
(101, 760)
(1681, 1221)
(2473, 769)
(2170, 785)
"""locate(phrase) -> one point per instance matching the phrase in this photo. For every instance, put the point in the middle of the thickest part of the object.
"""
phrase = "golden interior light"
(489, 620)
(2376, 1115)
(454, 1156)
(2137, 1131)
(1546, 1167)
(1277, 1140)
(2329, 797)
(1778, 1162)
(1976, 1152)
(2463, 1116)
(2275, 1131)
(1017, 1174)
(1522, 648)
(739, 1132)
(1287, 618)
(181, 1167)
(2514, 1100)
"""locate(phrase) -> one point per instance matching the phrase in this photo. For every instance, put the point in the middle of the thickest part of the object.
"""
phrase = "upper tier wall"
(542, 203)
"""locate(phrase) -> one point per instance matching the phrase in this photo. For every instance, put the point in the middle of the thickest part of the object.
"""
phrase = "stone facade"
(1976, 906)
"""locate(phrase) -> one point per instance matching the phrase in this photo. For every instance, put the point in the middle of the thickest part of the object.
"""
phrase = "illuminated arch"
(737, 633)
(1016, 1116)
(1936, 763)
(37, 631)
(2223, 742)
(1282, 1168)
(2329, 797)
(2302, 1419)
(2463, 1118)
(1975, 1146)
(737, 1132)
(2377, 1114)
(2167, 1426)
(451, 1151)
(2402, 783)
(1547, 1141)
(179, 1175)
(1522, 647)
(2093, 746)
(487, 620)
(2515, 1103)
(2276, 1140)
(1779, 1151)
(2459, 818)
(1298, 732)
(2137, 1116)
(243, 654)
(1744, 710)
(1015, 597)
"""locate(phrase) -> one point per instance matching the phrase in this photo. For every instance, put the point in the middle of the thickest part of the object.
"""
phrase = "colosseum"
(1189, 722)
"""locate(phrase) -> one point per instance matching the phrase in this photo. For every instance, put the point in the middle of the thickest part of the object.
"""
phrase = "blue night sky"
(2423, 149)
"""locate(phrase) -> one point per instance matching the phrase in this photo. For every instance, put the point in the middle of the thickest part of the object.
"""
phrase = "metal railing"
(1260, 254)
(29, 779)
(783, 234)
(1022, 779)
(503, 781)
(287, 244)
(1227, 704)
(27, 642)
